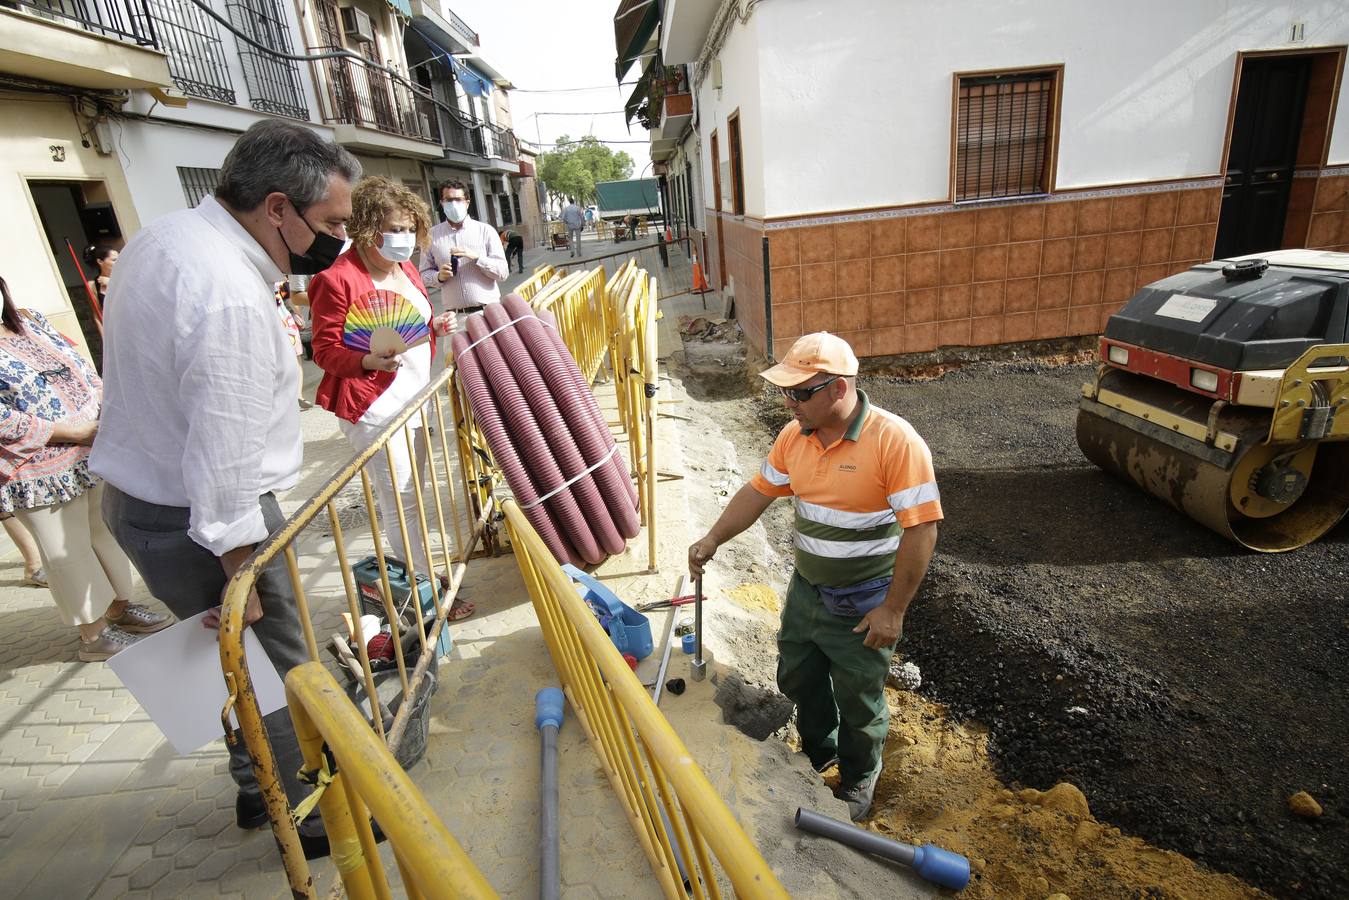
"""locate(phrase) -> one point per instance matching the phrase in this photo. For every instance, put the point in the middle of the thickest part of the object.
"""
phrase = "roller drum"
(1206, 484)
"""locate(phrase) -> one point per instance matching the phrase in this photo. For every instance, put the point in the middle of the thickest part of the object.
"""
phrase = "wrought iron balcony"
(360, 93)
(501, 143)
(123, 20)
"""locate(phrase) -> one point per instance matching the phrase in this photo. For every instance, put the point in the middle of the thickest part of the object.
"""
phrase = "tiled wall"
(1328, 225)
(744, 263)
(910, 281)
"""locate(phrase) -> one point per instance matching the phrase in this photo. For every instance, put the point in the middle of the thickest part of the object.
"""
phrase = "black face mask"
(322, 253)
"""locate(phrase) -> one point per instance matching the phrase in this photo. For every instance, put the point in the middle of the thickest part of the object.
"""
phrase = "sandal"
(37, 579)
(461, 609)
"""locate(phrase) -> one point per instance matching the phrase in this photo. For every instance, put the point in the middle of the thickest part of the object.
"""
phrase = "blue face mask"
(398, 245)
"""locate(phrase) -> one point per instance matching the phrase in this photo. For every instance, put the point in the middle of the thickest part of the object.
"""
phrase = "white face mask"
(398, 245)
(456, 210)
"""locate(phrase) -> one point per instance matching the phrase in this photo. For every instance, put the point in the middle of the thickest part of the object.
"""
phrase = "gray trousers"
(188, 579)
(574, 241)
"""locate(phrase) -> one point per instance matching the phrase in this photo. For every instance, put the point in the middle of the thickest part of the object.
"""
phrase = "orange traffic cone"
(699, 282)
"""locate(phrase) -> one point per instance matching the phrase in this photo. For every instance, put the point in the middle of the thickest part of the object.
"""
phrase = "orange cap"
(810, 355)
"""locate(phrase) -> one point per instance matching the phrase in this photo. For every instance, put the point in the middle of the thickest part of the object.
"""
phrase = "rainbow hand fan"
(383, 321)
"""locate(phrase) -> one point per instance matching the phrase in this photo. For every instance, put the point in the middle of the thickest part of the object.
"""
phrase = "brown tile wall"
(990, 275)
(744, 262)
(1328, 226)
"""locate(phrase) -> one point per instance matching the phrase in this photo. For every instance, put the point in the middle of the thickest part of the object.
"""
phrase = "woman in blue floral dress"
(49, 404)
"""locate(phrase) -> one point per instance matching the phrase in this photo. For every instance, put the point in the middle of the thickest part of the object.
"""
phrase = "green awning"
(634, 23)
(639, 94)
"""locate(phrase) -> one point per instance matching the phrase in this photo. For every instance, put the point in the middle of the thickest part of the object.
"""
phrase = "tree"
(574, 167)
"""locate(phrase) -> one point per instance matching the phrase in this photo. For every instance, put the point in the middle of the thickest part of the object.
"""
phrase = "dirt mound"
(938, 787)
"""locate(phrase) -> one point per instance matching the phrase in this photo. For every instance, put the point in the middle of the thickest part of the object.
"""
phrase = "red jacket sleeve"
(329, 297)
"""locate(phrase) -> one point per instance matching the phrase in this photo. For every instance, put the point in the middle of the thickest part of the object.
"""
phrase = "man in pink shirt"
(465, 259)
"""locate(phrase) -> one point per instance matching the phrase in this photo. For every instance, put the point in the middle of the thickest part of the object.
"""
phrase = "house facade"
(67, 73)
(916, 176)
(118, 112)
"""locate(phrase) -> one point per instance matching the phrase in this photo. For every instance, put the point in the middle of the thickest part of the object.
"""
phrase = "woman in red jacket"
(365, 390)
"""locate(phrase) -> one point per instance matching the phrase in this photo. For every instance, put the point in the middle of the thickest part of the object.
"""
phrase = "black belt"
(466, 310)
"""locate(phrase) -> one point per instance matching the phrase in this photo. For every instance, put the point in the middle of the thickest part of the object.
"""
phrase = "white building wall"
(740, 78)
(856, 95)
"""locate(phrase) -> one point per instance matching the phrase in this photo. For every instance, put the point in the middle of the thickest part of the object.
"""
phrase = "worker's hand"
(446, 272)
(464, 254)
(387, 361)
(883, 626)
(699, 553)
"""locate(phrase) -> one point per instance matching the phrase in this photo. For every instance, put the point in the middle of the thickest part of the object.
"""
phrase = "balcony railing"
(502, 143)
(197, 55)
(464, 136)
(360, 93)
(462, 27)
(123, 20)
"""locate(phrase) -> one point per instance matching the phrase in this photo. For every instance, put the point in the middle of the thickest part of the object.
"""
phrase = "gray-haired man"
(199, 426)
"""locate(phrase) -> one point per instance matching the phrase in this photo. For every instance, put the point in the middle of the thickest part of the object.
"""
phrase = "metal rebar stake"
(699, 664)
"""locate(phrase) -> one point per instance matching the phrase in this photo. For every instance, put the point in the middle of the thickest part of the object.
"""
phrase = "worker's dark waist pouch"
(855, 600)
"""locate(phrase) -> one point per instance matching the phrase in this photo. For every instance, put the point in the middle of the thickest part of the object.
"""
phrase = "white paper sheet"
(175, 675)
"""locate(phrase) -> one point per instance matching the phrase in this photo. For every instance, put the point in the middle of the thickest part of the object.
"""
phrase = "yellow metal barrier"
(469, 506)
(578, 304)
(367, 777)
(650, 769)
(542, 275)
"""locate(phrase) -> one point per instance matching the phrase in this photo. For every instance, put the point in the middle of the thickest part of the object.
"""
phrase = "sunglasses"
(801, 395)
(49, 374)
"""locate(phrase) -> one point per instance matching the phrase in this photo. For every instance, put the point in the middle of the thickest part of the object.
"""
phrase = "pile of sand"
(938, 787)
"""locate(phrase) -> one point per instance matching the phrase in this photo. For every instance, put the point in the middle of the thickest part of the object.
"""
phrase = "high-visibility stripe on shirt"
(855, 497)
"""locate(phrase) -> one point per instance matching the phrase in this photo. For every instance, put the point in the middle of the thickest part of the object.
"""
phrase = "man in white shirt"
(199, 427)
(465, 260)
(575, 220)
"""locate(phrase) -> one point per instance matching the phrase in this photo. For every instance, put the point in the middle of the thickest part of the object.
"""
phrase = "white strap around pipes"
(570, 481)
(503, 328)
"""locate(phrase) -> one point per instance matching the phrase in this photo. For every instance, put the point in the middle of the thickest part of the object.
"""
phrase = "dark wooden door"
(1270, 102)
(716, 197)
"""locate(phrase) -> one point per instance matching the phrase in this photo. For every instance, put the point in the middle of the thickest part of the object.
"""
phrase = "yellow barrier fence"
(651, 770)
(453, 517)
(578, 304)
(360, 775)
(542, 275)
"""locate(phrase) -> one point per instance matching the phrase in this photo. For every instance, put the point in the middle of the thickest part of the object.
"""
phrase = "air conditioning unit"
(358, 25)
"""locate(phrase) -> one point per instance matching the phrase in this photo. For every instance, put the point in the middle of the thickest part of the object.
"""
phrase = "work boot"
(137, 619)
(110, 641)
(859, 797)
(249, 811)
(824, 766)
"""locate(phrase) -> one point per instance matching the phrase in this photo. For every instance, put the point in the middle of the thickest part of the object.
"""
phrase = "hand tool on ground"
(684, 600)
(548, 711)
(932, 863)
(699, 665)
(665, 656)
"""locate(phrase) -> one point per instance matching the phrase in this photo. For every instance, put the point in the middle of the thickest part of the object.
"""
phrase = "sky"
(550, 44)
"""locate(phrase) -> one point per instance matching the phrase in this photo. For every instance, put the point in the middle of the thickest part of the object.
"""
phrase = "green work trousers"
(837, 684)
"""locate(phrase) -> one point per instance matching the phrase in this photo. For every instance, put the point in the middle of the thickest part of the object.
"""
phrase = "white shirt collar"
(224, 222)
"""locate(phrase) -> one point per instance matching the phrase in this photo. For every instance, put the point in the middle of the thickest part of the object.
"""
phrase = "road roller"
(1222, 390)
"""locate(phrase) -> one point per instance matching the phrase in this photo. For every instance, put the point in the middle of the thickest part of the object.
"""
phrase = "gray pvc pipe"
(548, 719)
(853, 836)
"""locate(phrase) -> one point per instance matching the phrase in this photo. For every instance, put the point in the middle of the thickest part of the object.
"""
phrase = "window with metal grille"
(515, 200)
(196, 52)
(273, 82)
(197, 183)
(1004, 134)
